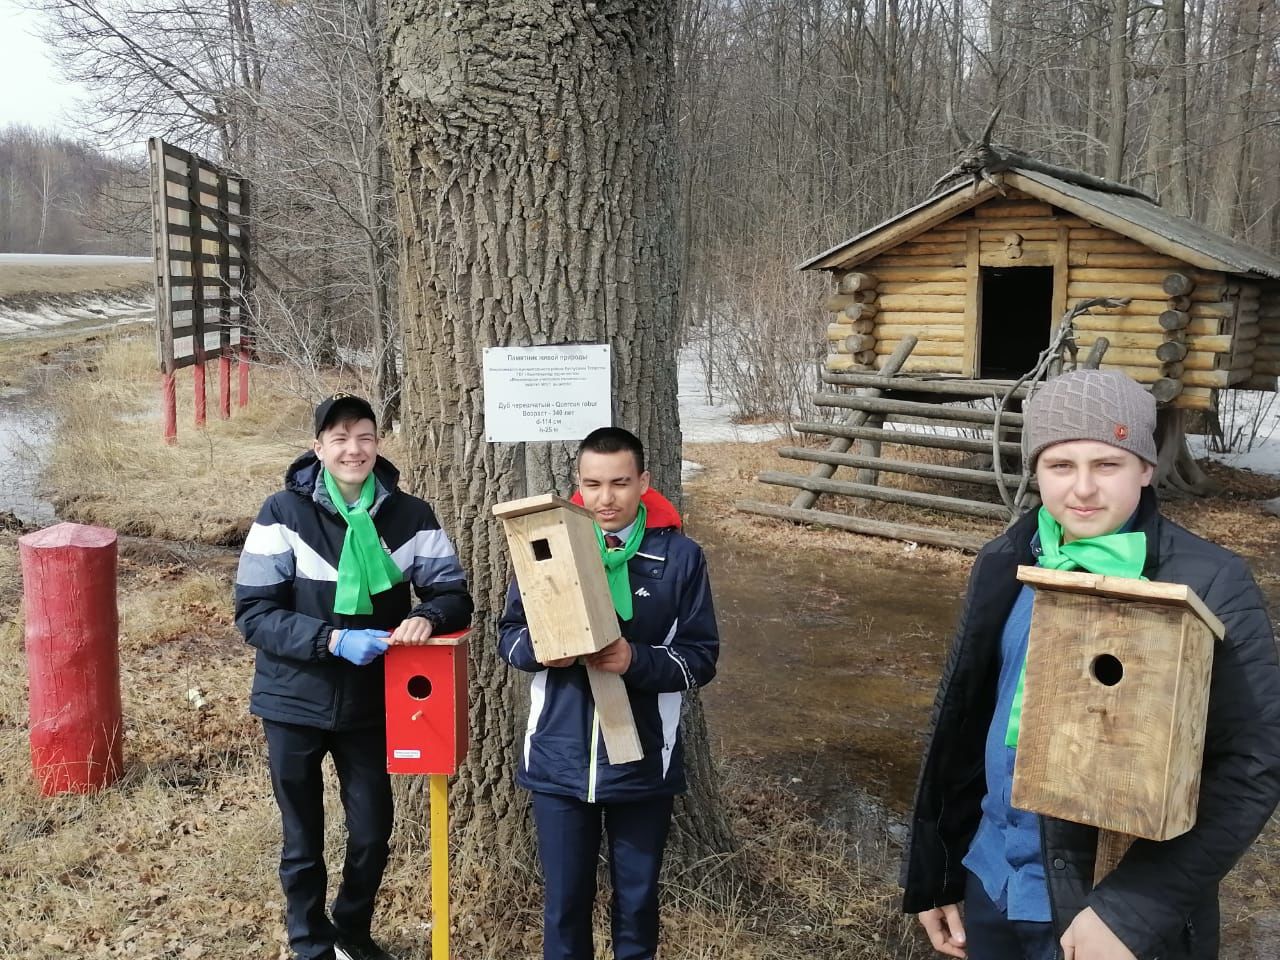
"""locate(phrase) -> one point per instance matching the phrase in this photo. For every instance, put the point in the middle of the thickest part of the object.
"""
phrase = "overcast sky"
(31, 90)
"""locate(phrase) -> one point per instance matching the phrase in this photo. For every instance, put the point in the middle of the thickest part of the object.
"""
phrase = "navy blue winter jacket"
(674, 645)
(287, 581)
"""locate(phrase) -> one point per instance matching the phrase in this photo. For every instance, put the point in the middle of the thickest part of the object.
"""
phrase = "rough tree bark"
(531, 143)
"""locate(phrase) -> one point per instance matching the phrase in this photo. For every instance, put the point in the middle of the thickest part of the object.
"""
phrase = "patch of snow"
(689, 469)
(1260, 410)
(702, 422)
(1263, 458)
(44, 316)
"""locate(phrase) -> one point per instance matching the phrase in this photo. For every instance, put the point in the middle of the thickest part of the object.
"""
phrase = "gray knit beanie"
(1102, 405)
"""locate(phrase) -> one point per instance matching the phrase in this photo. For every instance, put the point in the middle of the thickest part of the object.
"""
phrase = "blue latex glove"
(361, 647)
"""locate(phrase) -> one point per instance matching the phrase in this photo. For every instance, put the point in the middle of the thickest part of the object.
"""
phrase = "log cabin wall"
(1266, 355)
(1186, 332)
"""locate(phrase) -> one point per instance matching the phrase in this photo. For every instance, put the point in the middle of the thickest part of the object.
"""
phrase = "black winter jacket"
(286, 585)
(1162, 899)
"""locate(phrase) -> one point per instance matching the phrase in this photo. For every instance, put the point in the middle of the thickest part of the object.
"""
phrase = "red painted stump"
(73, 661)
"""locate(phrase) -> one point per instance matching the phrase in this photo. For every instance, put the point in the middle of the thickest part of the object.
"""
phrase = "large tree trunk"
(531, 144)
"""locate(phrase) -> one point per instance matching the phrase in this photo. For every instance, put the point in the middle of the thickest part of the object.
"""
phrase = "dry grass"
(110, 464)
(46, 280)
(178, 860)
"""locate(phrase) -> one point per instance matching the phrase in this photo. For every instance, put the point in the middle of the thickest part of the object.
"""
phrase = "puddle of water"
(26, 430)
(837, 665)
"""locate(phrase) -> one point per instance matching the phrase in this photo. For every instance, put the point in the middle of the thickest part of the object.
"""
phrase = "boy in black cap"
(322, 589)
(1026, 880)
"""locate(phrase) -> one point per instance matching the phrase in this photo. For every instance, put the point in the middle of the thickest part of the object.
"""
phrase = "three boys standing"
(323, 587)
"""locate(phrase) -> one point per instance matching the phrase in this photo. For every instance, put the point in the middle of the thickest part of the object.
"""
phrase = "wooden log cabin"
(982, 275)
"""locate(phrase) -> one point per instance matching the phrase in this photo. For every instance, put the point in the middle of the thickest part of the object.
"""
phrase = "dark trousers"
(993, 936)
(360, 758)
(569, 848)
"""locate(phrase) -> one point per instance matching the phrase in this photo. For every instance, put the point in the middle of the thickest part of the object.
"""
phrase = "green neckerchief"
(364, 568)
(1110, 555)
(615, 564)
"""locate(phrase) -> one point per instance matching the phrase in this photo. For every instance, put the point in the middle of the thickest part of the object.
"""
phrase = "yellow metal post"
(439, 867)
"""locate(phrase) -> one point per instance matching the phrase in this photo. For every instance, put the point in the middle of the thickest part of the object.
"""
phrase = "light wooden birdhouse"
(567, 602)
(562, 581)
(1114, 702)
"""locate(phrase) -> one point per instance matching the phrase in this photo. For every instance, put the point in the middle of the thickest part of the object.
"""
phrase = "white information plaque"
(546, 393)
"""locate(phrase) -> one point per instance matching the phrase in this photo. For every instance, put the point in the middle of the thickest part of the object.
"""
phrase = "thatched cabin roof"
(1139, 219)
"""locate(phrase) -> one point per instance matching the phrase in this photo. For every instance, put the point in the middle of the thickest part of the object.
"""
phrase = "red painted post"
(224, 385)
(244, 369)
(169, 407)
(201, 403)
(73, 660)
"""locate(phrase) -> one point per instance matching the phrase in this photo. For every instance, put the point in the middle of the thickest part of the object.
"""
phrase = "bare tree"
(61, 196)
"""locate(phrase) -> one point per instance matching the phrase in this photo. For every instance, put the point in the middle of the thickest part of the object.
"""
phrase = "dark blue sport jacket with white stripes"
(285, 589)
(674, 645)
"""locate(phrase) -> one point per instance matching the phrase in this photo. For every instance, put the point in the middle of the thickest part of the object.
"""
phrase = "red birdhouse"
(426, 693)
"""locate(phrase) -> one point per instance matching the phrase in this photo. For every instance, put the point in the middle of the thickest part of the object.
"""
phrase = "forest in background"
(799, 123)
(62, 195)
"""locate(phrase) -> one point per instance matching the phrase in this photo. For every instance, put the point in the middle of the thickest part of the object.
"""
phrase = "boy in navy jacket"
(668, 644)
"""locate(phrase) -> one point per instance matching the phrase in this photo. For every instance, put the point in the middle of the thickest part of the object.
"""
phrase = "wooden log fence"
(875, 528)
(910, 438)
(953, 386)
(884, 405)
(927, 471)
(911, 498)
(858, 418)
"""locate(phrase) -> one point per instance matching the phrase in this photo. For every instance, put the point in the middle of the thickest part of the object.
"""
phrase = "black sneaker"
(360, 948)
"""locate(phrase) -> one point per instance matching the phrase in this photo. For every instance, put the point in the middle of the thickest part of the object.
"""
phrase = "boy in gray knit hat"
(1025, 880)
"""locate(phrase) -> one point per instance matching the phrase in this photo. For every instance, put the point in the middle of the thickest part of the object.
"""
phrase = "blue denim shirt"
(1005, 854)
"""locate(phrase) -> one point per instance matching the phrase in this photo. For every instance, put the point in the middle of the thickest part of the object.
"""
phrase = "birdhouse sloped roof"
(1138, 219)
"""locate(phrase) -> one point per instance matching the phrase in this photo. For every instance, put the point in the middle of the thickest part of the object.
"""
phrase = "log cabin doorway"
(1017, 317)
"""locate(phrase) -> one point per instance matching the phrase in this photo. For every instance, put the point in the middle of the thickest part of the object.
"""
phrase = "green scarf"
(1110, 555)
(364, 568)
(615, 564)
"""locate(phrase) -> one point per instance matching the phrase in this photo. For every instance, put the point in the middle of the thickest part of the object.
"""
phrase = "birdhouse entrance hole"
(541, 549)
(1107, 670)
(419, 687)
(1017, 318)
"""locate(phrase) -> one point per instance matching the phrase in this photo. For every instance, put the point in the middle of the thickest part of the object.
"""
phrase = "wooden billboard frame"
(198, 241)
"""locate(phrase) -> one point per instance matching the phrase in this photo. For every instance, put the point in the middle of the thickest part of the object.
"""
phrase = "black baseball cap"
(345, 405)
